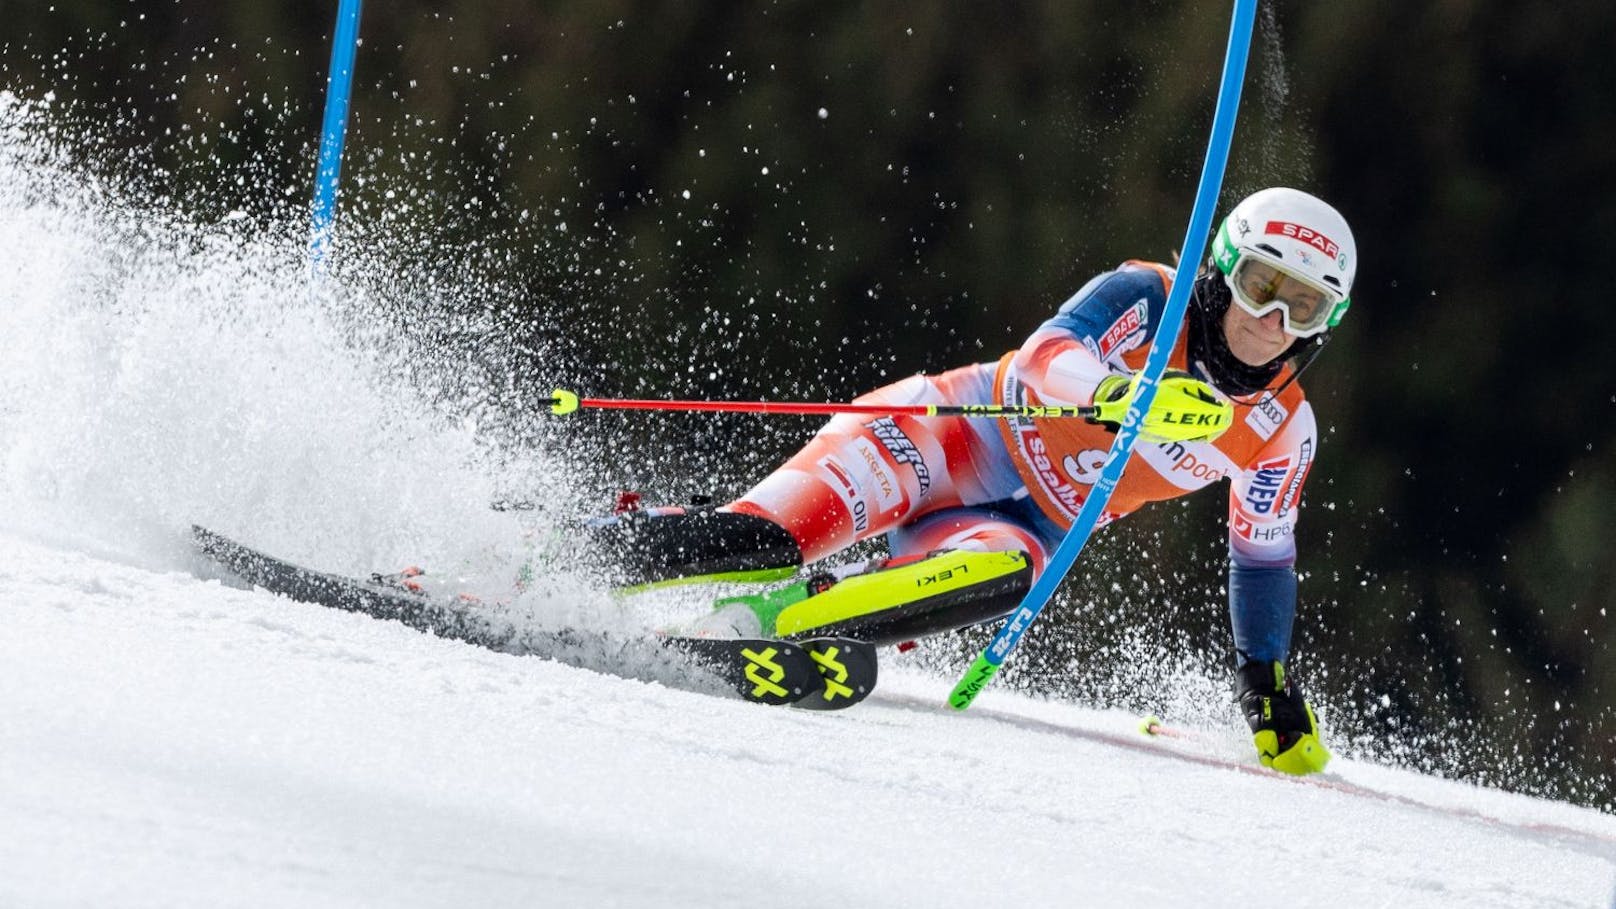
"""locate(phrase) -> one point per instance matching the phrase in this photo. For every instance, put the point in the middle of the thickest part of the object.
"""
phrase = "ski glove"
(1282, 722)
(1185, 409)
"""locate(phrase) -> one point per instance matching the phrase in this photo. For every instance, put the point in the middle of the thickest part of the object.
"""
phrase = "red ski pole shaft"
(563, 401)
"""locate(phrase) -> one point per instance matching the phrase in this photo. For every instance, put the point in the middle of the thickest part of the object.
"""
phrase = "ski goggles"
(1260, 287)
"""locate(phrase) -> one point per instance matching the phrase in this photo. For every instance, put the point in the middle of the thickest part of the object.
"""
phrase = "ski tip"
(204, 539)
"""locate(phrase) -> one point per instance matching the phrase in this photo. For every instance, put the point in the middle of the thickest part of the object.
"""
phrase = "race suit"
(968, 483)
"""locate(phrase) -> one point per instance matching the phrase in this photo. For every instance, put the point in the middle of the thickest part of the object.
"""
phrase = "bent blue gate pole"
(339, 87)
(1206, 200)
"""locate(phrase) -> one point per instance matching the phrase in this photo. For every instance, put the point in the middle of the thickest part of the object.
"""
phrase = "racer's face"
(1255, 340)
(1261, 287)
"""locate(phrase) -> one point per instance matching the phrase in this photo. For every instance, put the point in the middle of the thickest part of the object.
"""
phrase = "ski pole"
(562, 401)
(1206, 197)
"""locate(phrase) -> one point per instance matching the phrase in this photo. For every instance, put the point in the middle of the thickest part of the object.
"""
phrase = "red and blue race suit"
(967, 483)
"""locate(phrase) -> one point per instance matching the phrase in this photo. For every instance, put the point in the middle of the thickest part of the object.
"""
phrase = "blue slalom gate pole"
(1206, 200)
(339, 87)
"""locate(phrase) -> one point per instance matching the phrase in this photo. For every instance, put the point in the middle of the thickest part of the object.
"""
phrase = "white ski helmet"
(1281, 233)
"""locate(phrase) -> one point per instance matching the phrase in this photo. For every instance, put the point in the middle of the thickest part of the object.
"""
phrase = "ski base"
(822, 673)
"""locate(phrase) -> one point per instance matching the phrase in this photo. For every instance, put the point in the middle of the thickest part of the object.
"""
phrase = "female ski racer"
(971, 508)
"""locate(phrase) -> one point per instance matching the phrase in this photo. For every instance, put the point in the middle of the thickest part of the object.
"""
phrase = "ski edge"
(820, 673)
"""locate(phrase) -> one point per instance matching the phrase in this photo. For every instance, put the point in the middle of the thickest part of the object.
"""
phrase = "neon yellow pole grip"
(563, 401)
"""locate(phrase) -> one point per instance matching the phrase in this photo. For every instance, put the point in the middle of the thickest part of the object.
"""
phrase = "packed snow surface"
(171, 741)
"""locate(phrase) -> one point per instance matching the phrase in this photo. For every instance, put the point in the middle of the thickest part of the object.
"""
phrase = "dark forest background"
(809, 199)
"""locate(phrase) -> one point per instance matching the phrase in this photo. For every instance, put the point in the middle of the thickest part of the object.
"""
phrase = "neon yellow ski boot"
(1282, 723)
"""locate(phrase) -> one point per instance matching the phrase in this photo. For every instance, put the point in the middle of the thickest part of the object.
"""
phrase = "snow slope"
(171, 741)
(167, 740)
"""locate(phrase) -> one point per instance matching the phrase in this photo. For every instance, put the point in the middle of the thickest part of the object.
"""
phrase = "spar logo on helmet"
(1307, 235)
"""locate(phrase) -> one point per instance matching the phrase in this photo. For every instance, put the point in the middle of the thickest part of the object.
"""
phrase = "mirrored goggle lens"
(1261, 287)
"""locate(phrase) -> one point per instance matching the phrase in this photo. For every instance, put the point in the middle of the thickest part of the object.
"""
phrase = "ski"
(821, 673)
